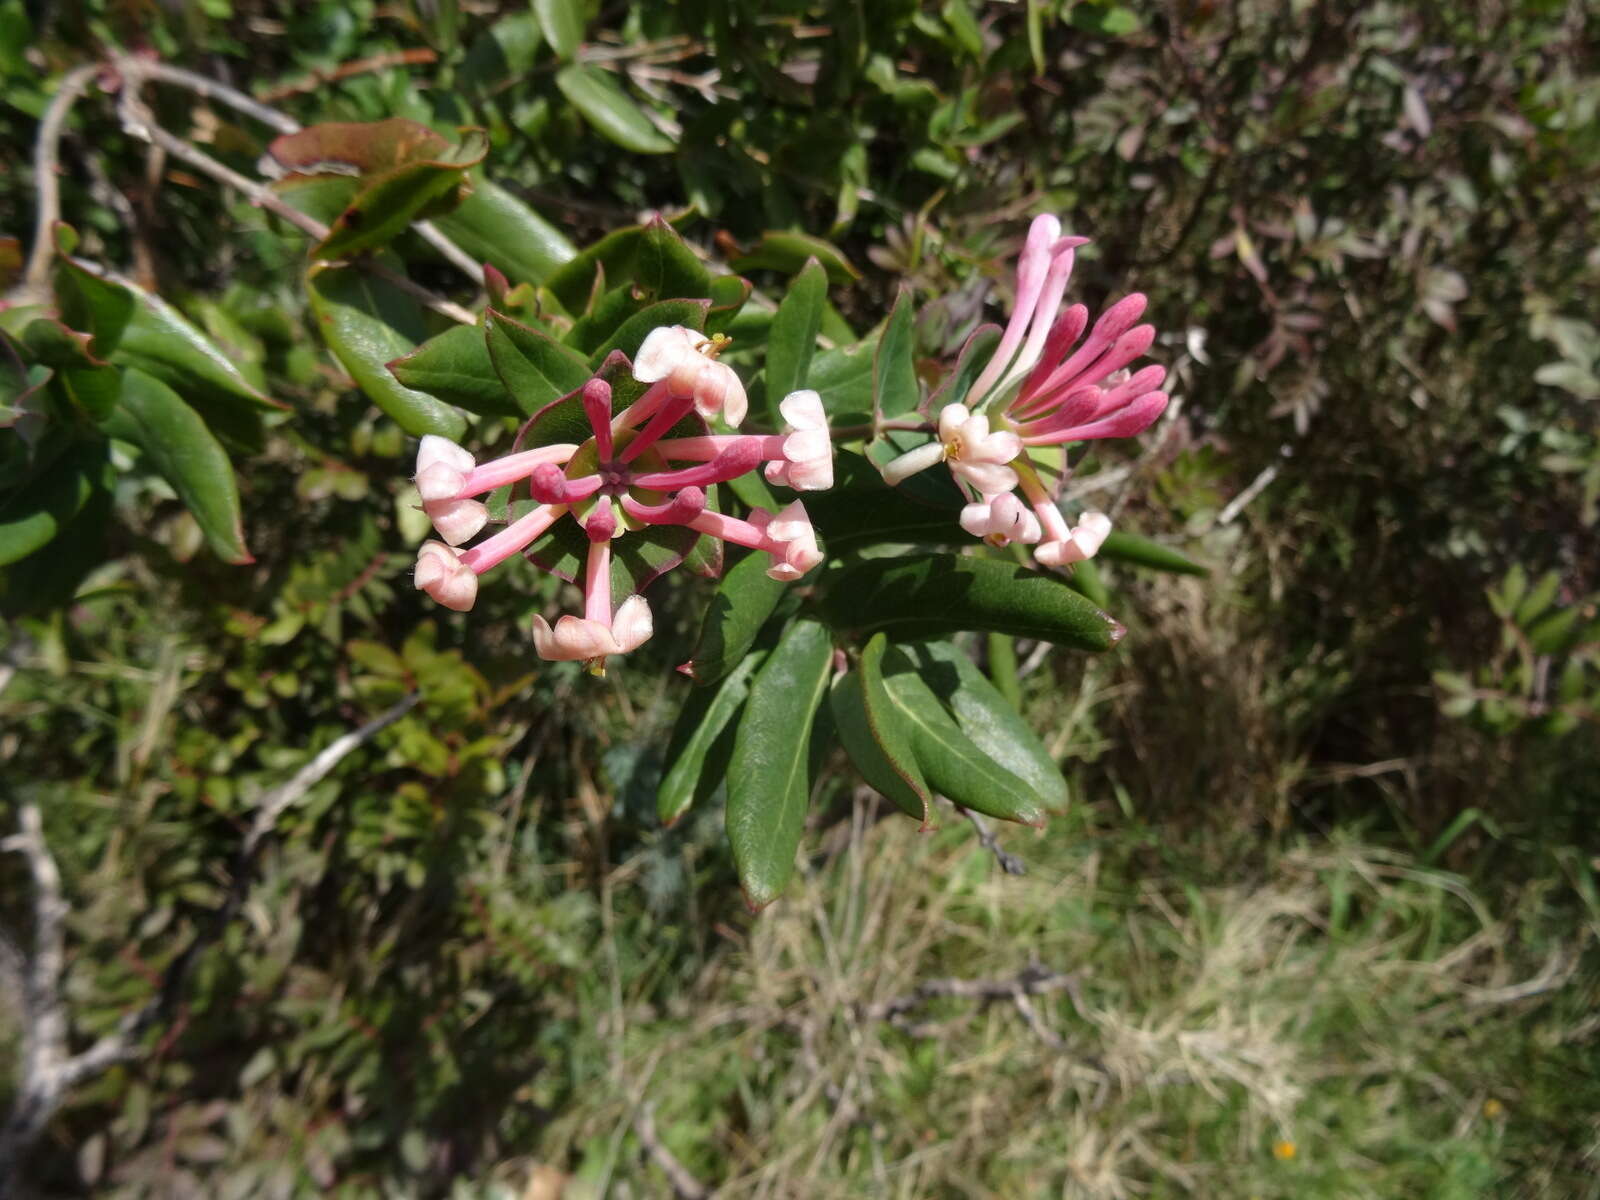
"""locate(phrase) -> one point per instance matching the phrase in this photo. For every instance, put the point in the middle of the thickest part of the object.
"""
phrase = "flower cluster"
(1045, 386)
(629, 475)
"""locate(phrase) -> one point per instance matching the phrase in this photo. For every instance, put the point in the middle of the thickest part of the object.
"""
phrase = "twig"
(139, 122)
(46, 181)
(1032, 980)
(1238, 504)
(1009, 863)
(280, 799)
(416, 57)
(684, 1185)
(135, 70)
(48, 1070)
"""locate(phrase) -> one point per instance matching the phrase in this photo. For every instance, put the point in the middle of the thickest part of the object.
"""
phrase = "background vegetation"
(1323, 921)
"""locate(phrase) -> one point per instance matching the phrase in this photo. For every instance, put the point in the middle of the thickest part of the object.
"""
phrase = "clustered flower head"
(1045, 386)
(629, 475)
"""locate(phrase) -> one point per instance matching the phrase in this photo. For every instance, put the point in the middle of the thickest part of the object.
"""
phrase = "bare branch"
(48, 1070)
(280, 799)
(134, 70)
(1009, 863)
(684, 1185)
(47, 181)
(1032, 980)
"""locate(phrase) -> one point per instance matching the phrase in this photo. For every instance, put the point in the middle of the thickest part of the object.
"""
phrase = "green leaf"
(842, 377)
(630, 335)
(368, 323)
(1084, 579)
(930, 594)
(768, 776)
(989, 719)
(793, 338)
(386, 204)
(562, 23)
(894, 370)
(455, 366)
(742, 604)
(789, 253)
(183, 451)
(134, 328)
(728, 294)
(861, 510)
(612, 112)
(1142, 552)
(877, 736)
(505, 51)
(954, 764)
(35, 511)
(535, 368)
(702, 742)
(495, 227)
(652, 257)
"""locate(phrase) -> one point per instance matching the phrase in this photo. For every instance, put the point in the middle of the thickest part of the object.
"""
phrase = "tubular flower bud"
(1081, 543)
(1001, 520)
(441, 573)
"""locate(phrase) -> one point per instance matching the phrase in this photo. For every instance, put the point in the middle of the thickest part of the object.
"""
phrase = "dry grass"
(1347, 1025)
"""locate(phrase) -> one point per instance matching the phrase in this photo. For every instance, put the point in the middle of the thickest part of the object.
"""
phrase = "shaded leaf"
(769, 778)
(793, 337)
(702, 741)
(613, 113)
(455, 367)
(895, 391)
(495, 227)
(535, 368)
(741, 605)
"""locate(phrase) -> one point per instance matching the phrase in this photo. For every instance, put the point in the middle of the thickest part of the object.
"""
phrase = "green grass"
(1346, 1024)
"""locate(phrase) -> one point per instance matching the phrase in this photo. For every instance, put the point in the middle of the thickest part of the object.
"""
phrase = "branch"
(1032, 980)
(684, 1185)
(1009, 863)
(48, 1070)
(46, 180)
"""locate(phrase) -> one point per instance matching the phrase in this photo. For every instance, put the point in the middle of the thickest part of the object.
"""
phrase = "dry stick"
(684, 1185)
(46, 163)
(1009, 863)
(48, 1071)
(1032, 980)
(135, 70)
(139, 122)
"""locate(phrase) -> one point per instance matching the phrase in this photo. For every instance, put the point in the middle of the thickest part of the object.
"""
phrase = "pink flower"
(807, 463)
(1001, 520)
(441, 573)
(976, 455)
(627, 464)
(686, 362)
(1082, 542)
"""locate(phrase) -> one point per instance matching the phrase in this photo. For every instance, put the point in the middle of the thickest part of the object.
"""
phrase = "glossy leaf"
(652, 258)
(742, 604)
(860, 511)
(929, 594)
(495, 227)
(562, 24)
(368, 323)
(789, 253)
(184, 452)
(954, 765)
(877, 736)
(842, 378)
(455, 366)
(1142, 552)
(41, 506)
(613, 113)
(535, 368)
(386, 204)
(630, 335)
(134, 328)
(702, 742)
(769, 779)
(793, 337)
(989, 719)
(894, 370)
(369, 147)
(504, 51)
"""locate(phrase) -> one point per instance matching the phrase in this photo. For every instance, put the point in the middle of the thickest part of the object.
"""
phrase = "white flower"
(793, 542)
(807, 464)
(686, 361)
(441, 573)
(578, 639)
(1082, 542)
(974, 453)
(1001, 520)
(442, 468)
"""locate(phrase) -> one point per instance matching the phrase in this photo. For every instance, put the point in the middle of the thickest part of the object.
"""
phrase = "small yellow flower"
(1492, 1108)
(1284, 1151)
